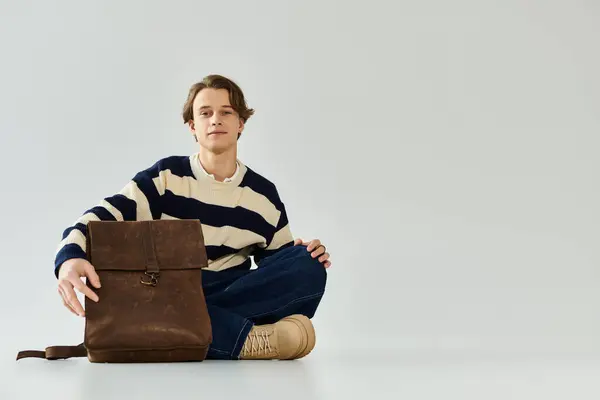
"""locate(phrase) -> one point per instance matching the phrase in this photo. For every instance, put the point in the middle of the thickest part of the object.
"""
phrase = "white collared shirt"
(231, 178)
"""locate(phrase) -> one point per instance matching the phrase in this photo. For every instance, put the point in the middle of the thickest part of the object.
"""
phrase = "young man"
(261, 313)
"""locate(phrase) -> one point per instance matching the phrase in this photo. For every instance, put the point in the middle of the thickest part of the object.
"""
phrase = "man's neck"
(220, 165)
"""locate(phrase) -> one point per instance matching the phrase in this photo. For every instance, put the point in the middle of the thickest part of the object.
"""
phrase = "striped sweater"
(240, 218)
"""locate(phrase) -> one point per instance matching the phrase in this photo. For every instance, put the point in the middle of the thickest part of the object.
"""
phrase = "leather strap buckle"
(152, 269)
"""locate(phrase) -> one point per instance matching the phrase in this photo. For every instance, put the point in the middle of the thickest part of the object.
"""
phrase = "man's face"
(216, 124)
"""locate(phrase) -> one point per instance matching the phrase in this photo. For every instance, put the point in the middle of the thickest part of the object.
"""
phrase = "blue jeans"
(288, 282)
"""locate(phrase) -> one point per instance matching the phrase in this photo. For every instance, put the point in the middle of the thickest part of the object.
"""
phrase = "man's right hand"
(69, 278)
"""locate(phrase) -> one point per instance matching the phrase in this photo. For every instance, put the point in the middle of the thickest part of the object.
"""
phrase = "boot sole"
(306, 325)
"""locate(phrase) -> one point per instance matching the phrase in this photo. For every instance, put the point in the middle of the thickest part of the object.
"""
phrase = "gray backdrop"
(444, 152)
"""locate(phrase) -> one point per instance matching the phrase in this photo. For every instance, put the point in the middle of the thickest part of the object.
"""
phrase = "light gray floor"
(322, 375)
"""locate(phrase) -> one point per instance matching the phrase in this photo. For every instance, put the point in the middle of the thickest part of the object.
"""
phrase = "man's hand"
(69, 278)
(316, 249)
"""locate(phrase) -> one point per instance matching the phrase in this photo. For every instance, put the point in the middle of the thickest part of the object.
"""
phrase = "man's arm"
(282, 237)
(139, 200)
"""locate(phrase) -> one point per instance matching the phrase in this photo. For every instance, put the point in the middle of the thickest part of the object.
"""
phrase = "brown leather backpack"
(151, 304)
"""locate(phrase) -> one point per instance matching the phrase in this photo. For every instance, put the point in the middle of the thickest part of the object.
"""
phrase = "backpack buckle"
(153, 281)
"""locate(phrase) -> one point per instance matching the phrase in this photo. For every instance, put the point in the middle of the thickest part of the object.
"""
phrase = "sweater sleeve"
(282, 236)
(138, 200)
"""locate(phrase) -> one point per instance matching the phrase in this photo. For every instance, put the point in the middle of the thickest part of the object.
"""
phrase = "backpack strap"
(55, 352)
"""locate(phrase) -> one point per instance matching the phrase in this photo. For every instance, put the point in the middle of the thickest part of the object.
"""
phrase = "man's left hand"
(317, 249)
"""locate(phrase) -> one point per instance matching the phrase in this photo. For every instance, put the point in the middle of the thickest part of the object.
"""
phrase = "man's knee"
(307, 267)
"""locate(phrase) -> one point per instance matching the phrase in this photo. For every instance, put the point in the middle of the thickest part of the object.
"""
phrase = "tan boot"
(290, 338)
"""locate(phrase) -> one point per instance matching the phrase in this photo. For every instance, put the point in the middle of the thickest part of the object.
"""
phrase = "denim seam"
(238, 338)
(219, 351)
(285, 305)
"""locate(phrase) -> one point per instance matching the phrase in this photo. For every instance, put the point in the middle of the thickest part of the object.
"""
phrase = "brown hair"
(236, 96)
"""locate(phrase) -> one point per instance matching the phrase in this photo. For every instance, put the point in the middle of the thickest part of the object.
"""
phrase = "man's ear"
(193, 129)
(240, 129)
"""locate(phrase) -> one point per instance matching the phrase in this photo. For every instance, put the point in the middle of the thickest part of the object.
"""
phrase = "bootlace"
(257, 343)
